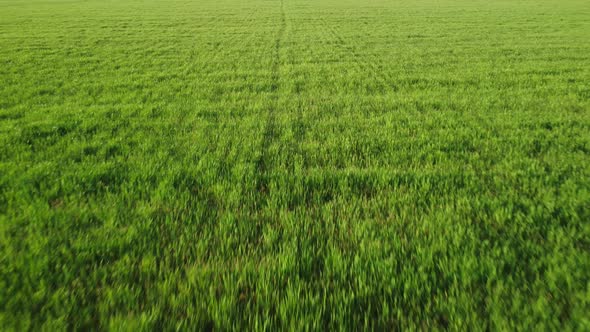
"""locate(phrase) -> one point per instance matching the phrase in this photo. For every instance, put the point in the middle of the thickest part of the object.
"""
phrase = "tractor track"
(270, 131)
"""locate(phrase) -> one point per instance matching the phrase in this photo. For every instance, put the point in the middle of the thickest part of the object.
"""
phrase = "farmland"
(294, 164)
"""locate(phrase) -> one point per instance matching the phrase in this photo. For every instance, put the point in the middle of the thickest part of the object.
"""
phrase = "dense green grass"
(295, 164)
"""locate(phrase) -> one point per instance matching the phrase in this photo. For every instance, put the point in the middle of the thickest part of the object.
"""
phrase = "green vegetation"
(295, 164)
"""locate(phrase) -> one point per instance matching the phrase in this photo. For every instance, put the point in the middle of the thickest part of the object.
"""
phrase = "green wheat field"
(295, 165)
